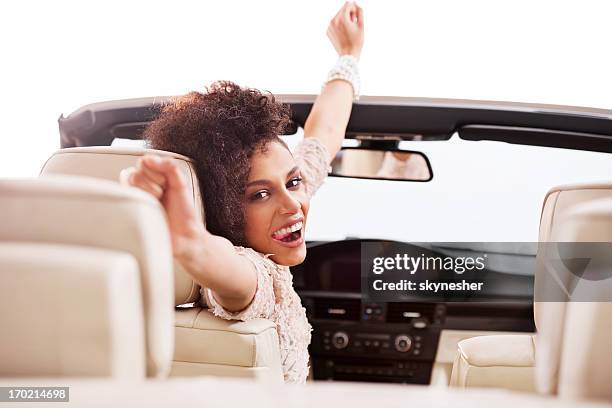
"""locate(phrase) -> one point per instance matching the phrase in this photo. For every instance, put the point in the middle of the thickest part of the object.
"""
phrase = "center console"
(373, 342)
(354, 340)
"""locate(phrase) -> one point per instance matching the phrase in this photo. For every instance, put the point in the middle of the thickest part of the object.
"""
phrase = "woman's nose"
(289, 204)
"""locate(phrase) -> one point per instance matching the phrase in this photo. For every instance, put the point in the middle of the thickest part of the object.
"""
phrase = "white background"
(57, 56)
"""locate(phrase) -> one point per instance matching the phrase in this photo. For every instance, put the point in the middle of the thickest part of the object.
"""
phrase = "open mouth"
(290, 234)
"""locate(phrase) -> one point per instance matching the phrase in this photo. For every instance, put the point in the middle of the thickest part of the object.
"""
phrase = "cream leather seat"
(569, 355)
(70, 310)
(86, 280)
(106, 163)
(203, 344)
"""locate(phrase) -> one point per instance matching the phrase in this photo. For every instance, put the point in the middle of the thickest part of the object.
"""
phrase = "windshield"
(481, 192)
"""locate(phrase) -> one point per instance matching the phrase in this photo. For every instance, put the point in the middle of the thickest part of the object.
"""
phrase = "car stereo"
(372, 348)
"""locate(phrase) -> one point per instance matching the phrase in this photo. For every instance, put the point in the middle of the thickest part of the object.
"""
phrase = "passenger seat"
(570, 355)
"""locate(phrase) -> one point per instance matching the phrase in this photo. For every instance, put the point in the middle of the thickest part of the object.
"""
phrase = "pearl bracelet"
(347, 69)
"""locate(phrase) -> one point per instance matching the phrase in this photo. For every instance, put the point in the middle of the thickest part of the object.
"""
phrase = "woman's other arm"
(211, 260)
(331, 110)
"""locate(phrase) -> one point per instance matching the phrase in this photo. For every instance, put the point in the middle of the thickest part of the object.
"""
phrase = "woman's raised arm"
(332, 108)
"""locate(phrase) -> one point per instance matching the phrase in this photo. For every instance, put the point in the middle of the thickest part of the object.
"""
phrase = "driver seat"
(203, 344)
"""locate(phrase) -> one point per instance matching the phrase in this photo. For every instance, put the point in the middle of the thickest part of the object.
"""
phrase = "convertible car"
(90, 297)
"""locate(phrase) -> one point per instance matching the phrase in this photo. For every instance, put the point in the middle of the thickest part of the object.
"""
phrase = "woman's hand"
(346, 30)
(331, 110)
(162, 178)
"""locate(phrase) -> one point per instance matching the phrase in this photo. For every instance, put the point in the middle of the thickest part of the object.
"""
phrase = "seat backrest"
(88, 212)
(70, 311)
(573, 357)
(106, 163)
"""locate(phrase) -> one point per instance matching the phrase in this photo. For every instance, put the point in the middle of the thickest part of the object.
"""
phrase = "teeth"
(295, 227)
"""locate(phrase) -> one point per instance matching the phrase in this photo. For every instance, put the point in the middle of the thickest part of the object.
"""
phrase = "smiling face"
(276, 206)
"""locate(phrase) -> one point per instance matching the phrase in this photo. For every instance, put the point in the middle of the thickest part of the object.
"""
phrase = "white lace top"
(275, 298)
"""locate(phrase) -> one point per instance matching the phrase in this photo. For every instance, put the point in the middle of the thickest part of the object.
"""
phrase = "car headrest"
(106, 162)
(572, 213)
(576, 213)
(101, 214)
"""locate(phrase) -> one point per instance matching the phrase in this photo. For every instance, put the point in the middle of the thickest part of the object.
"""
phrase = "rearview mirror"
(401, 165)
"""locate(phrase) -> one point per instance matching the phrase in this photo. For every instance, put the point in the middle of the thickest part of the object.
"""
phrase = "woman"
(255, 192)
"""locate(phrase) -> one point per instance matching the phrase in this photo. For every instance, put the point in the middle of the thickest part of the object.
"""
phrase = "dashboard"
(357, 339)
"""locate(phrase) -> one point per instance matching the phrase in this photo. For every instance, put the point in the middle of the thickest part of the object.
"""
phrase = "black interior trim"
(538, 137)
(420, 118)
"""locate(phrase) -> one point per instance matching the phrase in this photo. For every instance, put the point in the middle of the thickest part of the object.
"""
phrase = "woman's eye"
(294, 182)
(260, 195)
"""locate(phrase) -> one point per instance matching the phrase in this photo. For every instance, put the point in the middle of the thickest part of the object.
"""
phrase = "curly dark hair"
(220, 130)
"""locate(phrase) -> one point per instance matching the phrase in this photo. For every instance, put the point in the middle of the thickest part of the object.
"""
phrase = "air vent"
(405, 312)
(338, 309)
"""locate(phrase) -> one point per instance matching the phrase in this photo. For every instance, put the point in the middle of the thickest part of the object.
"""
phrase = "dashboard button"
(403, 343)
(340, 340)
(419, 324)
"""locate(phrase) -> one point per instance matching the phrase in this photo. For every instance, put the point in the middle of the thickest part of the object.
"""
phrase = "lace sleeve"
(313, 159)
(262, 304)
